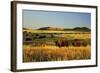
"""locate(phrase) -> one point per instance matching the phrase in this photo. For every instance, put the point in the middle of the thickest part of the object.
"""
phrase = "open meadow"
(49, 53)
(48, 45)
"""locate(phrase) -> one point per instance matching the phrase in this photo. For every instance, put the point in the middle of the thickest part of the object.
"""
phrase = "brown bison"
(61, 43)
(79, 42)
(84, 43)
(75, 43)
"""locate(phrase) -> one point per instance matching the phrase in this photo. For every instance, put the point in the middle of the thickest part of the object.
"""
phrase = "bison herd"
(61, 43)
(75, 43)
(29, 38)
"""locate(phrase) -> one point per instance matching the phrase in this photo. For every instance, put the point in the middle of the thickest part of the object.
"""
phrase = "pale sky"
(37, 19)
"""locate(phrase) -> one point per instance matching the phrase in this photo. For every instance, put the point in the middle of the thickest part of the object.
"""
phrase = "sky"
(35, 19)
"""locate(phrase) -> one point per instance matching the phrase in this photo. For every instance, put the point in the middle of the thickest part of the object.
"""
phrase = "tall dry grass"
(39, 54)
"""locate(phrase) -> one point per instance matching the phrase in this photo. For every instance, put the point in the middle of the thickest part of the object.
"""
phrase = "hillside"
(80, 29)
(63, 29)
(50, 28)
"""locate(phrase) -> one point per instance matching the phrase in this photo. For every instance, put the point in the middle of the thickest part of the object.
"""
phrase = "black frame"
(14, 34)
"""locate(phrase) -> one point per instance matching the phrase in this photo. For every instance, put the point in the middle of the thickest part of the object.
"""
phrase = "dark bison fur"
(66, 43)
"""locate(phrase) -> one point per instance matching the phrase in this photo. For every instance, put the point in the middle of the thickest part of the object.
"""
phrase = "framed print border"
(14, 35)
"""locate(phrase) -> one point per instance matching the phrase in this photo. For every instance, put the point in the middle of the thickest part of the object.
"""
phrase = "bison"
(84, 43)
(61, 43)
(75, 43)
(58, 43)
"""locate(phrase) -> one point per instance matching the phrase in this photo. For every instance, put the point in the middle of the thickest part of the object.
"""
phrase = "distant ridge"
(25, 28)
(63, 29)
(83, 29)
(50, 28)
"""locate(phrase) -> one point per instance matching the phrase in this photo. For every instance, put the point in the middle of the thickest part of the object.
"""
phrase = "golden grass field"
(53, 53)
(51, 31)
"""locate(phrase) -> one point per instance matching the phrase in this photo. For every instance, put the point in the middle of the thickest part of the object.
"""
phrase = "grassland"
(52, 53)
(41, 46)
(52, 31)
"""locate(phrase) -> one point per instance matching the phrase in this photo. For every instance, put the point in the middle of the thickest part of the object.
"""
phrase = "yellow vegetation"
(53, 53)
